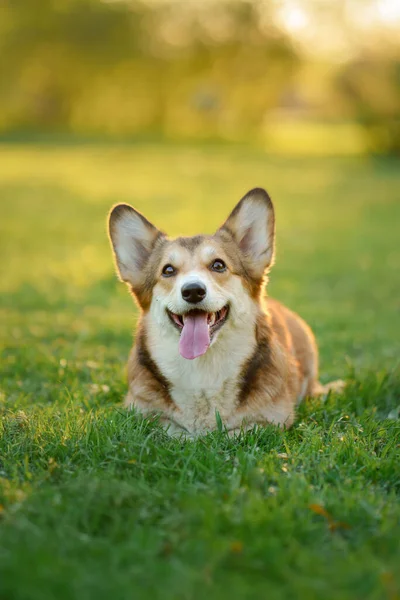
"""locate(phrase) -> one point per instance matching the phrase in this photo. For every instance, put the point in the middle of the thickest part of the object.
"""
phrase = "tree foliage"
(199, 69)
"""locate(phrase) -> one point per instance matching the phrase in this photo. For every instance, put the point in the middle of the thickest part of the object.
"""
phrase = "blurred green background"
(179, 108)
(295, 75)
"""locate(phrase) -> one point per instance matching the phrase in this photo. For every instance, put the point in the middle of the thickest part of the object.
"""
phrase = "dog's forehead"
(186, 251)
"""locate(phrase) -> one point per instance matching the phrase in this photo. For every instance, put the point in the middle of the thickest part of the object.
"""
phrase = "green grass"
(97, 503)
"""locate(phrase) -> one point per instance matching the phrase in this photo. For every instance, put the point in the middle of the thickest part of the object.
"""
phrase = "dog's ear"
(133, 238)
(252, 225)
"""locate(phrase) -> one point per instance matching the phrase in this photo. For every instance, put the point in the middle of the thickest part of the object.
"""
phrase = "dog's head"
(196, 285)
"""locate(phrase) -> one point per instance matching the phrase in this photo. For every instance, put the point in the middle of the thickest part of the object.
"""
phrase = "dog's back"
(297, 337)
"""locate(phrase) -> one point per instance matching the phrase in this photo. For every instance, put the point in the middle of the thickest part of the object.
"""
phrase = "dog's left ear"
(252, 225)
(133, 239)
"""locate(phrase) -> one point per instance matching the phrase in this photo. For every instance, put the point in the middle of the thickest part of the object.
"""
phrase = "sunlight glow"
(294, 18)
(389, 11)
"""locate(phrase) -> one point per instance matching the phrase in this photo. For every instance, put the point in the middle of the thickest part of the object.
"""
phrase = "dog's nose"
(194, 292)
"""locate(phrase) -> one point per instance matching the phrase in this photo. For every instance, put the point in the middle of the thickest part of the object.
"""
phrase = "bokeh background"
(179, 108)
(304, 75)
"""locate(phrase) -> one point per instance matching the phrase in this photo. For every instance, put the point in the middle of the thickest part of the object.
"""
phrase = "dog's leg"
(323, 390)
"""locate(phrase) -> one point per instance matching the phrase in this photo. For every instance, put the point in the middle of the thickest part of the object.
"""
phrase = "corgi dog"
(209, 342)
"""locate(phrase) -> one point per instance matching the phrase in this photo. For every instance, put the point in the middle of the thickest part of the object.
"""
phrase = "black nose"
(194, 292)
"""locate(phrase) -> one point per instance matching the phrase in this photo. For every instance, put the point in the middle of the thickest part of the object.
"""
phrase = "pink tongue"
(195, 337)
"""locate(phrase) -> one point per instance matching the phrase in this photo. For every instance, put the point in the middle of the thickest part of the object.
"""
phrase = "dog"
(210, 346)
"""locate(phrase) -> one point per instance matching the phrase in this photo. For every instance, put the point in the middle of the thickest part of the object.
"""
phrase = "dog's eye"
(218, 265)
(168, 271)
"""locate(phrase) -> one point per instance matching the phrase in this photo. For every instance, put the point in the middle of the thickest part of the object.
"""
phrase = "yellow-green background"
(179, 109)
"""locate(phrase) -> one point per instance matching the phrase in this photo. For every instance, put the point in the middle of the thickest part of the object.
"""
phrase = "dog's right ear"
(252, 226)
(133, 238)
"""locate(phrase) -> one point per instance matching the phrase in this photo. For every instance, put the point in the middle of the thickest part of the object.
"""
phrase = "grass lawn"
(96, 503)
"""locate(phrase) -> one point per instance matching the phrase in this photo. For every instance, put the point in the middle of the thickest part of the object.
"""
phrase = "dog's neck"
(211, 382)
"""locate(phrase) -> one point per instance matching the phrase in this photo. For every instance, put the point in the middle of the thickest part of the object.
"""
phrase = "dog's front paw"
(336, 387)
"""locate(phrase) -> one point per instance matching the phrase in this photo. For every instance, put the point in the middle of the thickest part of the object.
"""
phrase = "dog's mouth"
(197, 328)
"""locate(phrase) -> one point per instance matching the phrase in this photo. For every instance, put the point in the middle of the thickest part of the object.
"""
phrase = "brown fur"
(284, 361)
(279, 363)
(238, 262)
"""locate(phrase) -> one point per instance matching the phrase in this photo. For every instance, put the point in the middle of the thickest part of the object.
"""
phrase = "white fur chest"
(209, 383)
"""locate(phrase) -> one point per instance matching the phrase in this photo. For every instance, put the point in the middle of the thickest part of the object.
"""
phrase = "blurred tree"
(119, 67)
(212, 68)
(372, 90)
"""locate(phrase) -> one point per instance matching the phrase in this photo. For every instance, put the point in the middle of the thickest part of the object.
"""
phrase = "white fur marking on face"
(175, 257)
(207, 253)
(215, 299)
(193, 277)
